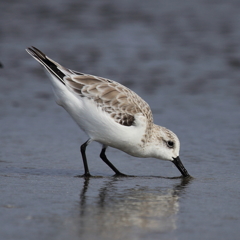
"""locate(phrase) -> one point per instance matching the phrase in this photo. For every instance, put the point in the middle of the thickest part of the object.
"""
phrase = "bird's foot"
(85, 175)
(121, 175)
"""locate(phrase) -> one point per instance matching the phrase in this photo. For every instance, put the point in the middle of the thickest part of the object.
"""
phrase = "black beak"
(180, 167)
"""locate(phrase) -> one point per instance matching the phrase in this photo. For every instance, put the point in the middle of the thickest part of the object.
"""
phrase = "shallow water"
(183, 60)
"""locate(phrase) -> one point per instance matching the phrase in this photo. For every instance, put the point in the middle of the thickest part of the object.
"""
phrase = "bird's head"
(167, 147)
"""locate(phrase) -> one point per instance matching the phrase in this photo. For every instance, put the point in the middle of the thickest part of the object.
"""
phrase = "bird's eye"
(170, 144)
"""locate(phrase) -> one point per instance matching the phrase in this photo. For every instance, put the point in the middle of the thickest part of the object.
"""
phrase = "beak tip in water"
(180, 167)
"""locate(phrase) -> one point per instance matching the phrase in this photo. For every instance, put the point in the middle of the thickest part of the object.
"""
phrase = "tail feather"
(49, 64)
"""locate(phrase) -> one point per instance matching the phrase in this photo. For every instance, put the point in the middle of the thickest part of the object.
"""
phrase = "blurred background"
(182, 58)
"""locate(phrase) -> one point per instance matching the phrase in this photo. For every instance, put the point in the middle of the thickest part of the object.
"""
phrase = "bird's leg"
(104, 158)
(84, 158)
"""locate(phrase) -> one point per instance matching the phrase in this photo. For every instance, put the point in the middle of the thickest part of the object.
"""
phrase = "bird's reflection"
(117, 208)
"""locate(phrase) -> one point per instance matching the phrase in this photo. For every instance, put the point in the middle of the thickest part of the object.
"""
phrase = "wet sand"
(183, 60)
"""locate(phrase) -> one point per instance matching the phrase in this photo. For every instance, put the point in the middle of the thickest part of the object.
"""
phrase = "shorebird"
(111, 114)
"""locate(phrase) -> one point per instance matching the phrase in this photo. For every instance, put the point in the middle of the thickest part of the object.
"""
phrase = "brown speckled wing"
(118, 101)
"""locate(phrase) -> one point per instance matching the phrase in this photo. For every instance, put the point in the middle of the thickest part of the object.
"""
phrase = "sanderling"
(111, 114)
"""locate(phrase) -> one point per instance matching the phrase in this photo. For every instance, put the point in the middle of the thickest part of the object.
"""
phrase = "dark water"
(184, 60)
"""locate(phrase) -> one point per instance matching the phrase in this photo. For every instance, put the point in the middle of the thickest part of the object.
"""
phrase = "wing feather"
(115, 99)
